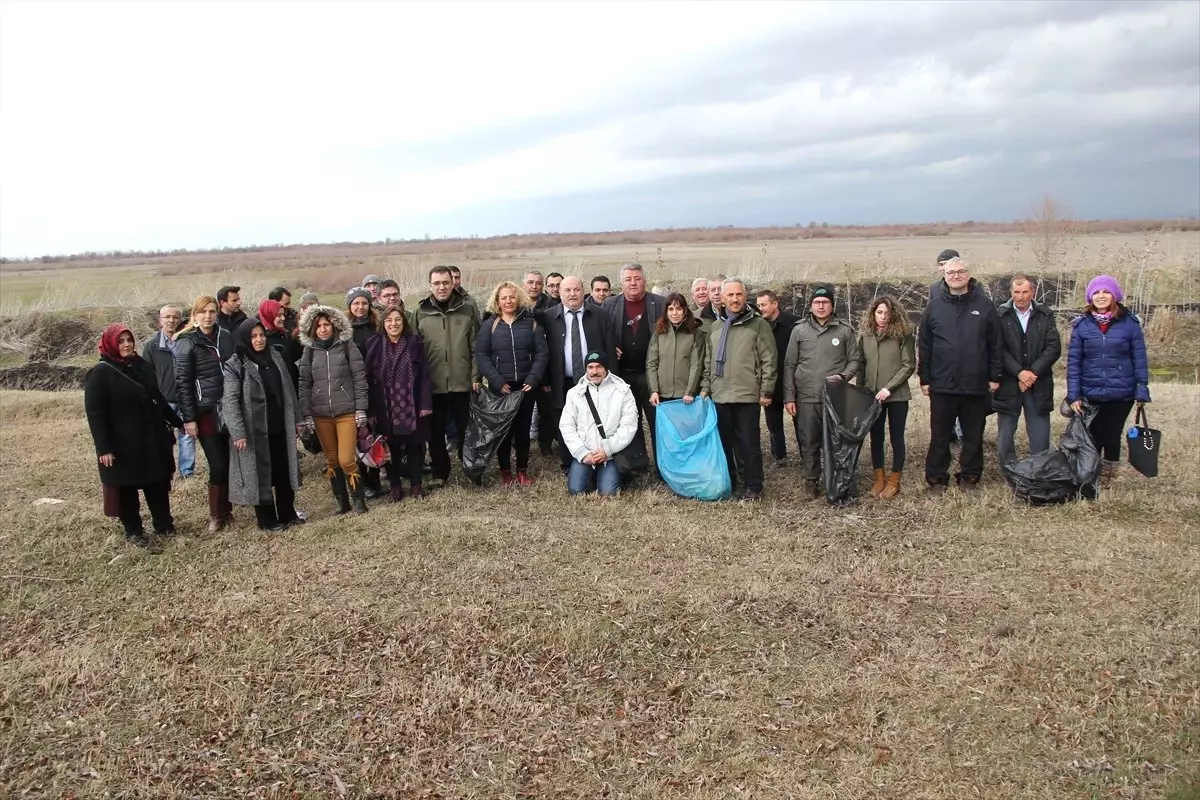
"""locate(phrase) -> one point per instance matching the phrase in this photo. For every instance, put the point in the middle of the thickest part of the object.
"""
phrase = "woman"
(889, 359)
(364, 324)
(1106, 366)
(200, 351)
(259, 407)
(511, 353)
(399, 397)
(128, 417)
(273, 318)
(676, 356)
(333, 399)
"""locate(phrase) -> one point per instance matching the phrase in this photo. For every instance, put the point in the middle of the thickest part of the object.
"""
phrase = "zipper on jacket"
(329, 380)
(512, 336)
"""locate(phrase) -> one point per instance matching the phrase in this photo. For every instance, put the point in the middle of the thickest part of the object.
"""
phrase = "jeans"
(1037, 428)
(944, 409)
(187, 450)
(738, 424)
(894, 418)
(580, 478)
(1108, 428)
(518, 435)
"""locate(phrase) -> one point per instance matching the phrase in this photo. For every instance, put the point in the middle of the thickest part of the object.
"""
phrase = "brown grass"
(484, 644)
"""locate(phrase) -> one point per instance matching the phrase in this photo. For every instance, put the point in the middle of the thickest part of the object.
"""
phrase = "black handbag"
(1144, 444)
(633, 458)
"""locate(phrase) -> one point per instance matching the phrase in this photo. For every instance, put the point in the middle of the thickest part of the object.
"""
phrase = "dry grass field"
(511, 644)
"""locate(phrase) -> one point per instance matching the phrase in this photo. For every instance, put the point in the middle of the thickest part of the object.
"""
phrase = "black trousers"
(283, 509)
(894, 418)
(158, 500)
(641, 395)
(409, 449)
(518, 435)
(1108, 428)
(216, 453)
(775, 428)
(738, 424)
(547, 418)
(969, 409)
(455, 408)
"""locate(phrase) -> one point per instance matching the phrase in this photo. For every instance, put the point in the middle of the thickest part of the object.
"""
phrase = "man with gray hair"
(533, 289)
(159, 353)
(632, 315)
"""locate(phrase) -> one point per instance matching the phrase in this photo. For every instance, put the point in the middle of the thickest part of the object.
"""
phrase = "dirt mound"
(51, 335)
(43, 377)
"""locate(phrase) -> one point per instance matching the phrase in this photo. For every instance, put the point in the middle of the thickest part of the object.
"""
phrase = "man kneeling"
(598, 421)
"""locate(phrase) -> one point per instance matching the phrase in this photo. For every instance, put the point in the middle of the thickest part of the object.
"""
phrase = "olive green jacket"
(750, 362)
(675, 362)
(814, 353)
(449, 338)
(888, 364)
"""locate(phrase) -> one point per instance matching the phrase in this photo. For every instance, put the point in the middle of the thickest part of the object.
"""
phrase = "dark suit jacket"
(595, 330)
(614, 306)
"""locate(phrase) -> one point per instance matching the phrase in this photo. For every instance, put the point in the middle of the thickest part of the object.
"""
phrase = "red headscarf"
(268, 310)
(109, 347)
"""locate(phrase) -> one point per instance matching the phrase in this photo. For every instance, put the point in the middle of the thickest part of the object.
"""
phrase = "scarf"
(268, 310)
(241, 341)
(399, 384)
(1102, 317)
(719, 360)
(110, 349)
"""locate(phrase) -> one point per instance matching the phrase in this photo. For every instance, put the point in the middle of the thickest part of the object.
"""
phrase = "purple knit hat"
(1106, 282)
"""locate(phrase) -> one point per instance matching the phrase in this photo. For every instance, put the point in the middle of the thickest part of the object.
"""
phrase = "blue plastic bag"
(688, 450)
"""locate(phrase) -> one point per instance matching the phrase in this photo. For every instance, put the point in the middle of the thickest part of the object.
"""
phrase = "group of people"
(589, 365)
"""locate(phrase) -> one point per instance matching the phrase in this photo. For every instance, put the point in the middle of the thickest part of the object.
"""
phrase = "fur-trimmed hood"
(341, 325)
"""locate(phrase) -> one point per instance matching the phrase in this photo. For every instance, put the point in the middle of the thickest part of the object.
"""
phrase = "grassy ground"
(494, 644)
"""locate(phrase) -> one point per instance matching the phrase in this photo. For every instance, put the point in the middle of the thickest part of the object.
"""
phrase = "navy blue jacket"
(511, 354)
(1107, 367)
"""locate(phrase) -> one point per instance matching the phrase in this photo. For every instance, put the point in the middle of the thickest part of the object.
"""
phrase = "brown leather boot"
(216, 509)
(893, 486)
(877, 486)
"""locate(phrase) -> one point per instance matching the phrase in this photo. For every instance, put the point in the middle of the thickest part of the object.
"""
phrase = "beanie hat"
(822, 291)
(358, 291)
(309, 297)
(1107, 283)
(946, 255)
(371, 279)
(596, 357)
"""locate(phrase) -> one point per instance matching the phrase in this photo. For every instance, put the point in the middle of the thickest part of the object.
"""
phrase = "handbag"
(373, 450)
(634, 457)
(1144, 444)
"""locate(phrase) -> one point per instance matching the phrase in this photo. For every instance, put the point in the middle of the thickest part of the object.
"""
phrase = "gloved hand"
(360, 419)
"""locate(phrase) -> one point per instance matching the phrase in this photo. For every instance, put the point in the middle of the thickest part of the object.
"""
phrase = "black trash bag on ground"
(1064, 473)
(849, 412)
(491, 417)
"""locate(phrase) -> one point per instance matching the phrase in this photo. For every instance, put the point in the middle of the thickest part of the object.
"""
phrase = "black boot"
(372, 486)
(357, 493)
(338, 484)
(267, 520)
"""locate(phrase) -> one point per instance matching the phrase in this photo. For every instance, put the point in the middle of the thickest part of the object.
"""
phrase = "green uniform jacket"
(675, 362)
(449, 338)
(814, 353)
(750, 362)
(888, 364)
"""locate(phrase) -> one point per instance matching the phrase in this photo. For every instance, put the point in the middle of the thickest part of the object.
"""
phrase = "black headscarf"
(267, 370)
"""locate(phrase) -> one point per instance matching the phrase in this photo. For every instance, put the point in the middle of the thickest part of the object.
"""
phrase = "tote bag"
(1144, 444)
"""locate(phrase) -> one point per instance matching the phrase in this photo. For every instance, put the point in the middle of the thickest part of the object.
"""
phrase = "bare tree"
(1050, 231)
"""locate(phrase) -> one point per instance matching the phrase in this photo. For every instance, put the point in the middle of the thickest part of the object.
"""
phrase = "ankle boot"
(216, 509)
(877, 486)
(337, 482)
(893, 486)
(506, 478)
(357, 492)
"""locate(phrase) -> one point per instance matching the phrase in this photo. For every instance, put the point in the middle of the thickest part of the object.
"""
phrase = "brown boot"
(216, 509)
(893, 486)
(877, 486)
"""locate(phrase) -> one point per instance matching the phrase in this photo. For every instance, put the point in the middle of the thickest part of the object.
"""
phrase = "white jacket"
(618, 411)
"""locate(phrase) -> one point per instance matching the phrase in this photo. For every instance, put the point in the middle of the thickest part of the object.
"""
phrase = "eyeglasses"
(956, 273)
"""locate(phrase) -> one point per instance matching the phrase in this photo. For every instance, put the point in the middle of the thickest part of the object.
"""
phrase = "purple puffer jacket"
(1108, 367)
(396, 405)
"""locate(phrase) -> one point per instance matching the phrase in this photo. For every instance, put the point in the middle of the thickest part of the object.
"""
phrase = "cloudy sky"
(163, 125)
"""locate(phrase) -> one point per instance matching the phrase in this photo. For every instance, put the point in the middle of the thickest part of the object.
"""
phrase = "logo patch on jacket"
(835, 342)
(975, 312)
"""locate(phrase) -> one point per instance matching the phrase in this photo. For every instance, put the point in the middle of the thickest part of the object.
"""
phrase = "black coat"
(782, 329)
(595, 330)
(290, 350)
(230, 324)
(158, 355)
(959, 342)
(129, 418)
(199, 380)
(1036, 349)
(614, 307)
(515, 354)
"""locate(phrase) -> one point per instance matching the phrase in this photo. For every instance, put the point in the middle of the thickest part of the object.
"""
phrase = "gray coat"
(814, 353)
(333, 381)
(244, 408)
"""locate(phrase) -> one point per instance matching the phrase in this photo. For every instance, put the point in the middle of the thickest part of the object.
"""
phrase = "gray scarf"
(719, 361)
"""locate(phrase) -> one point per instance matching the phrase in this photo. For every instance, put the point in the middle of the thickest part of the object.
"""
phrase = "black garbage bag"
(1064, 473)
(491, 417)
(849, 412)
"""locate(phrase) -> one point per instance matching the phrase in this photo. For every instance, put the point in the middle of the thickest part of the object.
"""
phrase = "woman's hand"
(882, 395)
(240, 444)
(360, 419)
(107, 459)
(703, 395)
(687, 399)
(1077, 407)
(301, 428)
(654, 398)
(527, 388)
(505, 389)
(425, 412)
(191, 429)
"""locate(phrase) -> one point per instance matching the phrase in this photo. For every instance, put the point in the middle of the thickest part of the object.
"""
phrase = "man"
(456, 273)
(821, 350)
(281, 295)
(781, 323)
(712, 312)
(573, 329)
(229, 308)
(740, 378)
(700, 294)
(308, 299)
(601, 288)
(371, 284)
(959, 364)
(159, 353)
(1030, 345)
(594, 438)
(448, 325)
(533, 290)
(291, 320)
(934, 287)
(553, 285)
(389, 294)
(631, 319)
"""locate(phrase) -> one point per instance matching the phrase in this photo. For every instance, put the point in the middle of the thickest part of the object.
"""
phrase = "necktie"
(576, 347)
